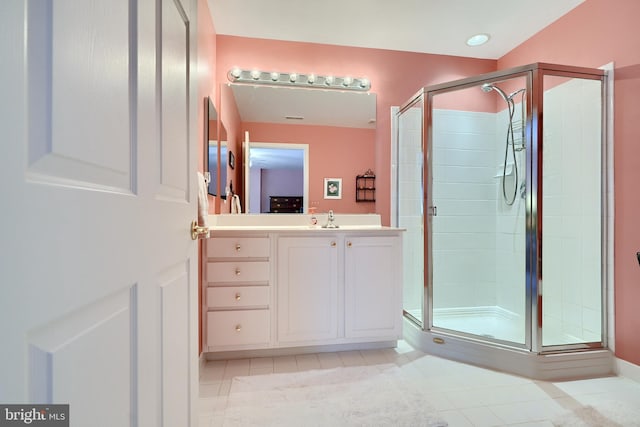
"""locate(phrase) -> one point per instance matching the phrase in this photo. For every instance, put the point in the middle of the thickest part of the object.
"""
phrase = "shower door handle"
(433, 210)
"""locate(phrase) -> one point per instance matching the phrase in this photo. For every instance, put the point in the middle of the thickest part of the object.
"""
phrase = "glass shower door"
(409, 154)
(477, 211)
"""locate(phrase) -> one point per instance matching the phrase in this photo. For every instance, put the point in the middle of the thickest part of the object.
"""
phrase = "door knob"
(198, 232)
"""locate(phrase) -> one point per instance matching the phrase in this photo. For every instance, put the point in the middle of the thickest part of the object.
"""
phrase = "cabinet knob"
(238, 328)
(237, 271)
(333, 244)
(238, 247)
(349, 244)
(237, 296)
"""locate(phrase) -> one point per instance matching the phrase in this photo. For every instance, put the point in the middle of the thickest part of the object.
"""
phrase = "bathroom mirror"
(302, 106)
(264, 109)
(215, 151)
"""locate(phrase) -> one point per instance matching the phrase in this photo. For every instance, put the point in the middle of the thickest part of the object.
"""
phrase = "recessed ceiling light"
(478, 39)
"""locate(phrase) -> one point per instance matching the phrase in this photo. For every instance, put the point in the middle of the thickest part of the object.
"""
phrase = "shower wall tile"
(461, 174)
(465, 224)
(463, 157)
(466, 207)
(464, 266)
(465, 241)
(463, 191)
(466, 191)
(451, 295)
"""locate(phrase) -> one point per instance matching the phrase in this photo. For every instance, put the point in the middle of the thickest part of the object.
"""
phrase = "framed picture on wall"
(232, 160)
(333, 188)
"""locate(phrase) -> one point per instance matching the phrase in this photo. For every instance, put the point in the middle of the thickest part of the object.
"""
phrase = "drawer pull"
(333, 244)
(237, 296)
(238, 247)
(349, 244)
(238, 328)
(237, 271)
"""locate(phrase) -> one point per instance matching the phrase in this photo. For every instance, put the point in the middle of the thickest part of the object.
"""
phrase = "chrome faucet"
(330, 220)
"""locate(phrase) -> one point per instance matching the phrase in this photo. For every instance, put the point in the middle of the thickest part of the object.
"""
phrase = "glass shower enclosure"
(500, 184)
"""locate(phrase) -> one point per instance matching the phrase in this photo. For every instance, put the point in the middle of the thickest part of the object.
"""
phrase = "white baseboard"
(627, 369)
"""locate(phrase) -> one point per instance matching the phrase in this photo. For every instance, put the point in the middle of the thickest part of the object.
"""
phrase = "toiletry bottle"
(314, 219)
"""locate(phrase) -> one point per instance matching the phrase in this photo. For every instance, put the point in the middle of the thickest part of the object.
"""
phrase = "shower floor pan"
(496, 323)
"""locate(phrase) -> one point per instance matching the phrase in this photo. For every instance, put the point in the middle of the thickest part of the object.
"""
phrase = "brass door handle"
(349, 244)
(238, 328)
(333, 244)
(238, 247)
(237, 296)
(198, 232)
(237, 271)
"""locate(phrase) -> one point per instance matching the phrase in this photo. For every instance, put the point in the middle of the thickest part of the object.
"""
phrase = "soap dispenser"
(314, 220)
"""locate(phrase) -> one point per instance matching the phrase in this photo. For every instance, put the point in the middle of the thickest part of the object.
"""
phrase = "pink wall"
(395, 77)
(206, 87)
(334, 152)
(594, 34)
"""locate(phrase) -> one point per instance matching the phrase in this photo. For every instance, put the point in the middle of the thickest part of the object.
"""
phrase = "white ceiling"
(428, 26)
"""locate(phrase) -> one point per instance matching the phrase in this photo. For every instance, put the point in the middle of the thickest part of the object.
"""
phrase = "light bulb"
(236, 72)
(347, 81)
(293, 77)
(311, 79)
(365, 83)
(255, 74)
(275, 76)
(328, 80)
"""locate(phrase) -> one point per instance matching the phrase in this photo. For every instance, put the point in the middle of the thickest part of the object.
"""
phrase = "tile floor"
(463, 395)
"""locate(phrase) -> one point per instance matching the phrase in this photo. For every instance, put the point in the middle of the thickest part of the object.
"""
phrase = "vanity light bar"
(237, 75)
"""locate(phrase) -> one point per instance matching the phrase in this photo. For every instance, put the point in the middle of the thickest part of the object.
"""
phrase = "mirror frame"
(218, 174)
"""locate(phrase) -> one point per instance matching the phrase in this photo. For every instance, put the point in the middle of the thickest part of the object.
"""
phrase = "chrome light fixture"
(253, 76)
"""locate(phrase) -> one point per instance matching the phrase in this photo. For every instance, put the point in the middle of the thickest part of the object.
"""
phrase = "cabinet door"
(373, 287)
(307, 289)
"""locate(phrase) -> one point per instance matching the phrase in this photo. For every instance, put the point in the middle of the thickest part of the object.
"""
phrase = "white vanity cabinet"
(308, 286)
(237, 293)
(303, 288)
(338, 289)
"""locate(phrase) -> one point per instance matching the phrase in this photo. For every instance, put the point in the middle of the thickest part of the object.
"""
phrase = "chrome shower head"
(488, 87)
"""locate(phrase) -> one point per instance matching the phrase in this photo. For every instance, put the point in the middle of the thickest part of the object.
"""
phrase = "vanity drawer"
(238, 247)
(237, 296)
(238, 328)
(225, 272)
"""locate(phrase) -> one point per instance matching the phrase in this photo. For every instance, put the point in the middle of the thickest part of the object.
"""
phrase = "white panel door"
(97, 174)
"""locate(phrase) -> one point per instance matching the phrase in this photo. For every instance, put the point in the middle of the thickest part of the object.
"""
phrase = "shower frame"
(531, 359)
